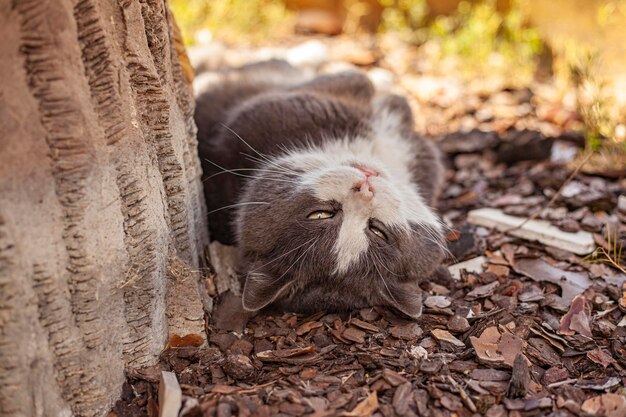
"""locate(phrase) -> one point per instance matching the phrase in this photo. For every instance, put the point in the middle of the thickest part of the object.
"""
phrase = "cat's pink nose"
(367, 172)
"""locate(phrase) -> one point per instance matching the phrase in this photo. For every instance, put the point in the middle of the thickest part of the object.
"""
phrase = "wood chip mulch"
(513, 340)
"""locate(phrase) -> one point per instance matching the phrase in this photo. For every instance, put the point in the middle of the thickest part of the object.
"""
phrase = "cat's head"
(325, 228)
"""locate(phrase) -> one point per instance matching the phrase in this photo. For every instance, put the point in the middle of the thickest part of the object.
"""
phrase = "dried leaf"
(365, 325)
(482, 291)
(607, 405)
(393, 378)
(402, 398)
(304, 328)
(409, 331)
(365, 408)
(510, 346)
(353, 334)
(601, 357)
(572, 283)
(192, 339)
(446, 336)
(577, 319)
(486, 346)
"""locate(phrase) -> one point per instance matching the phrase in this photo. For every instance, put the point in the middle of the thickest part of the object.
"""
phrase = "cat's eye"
(378, 232)
(320, 215)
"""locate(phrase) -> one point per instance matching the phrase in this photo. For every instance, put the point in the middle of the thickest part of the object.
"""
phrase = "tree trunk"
(102, 220)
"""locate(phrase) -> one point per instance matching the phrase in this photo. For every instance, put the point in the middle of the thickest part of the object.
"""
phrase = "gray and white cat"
(323, 186)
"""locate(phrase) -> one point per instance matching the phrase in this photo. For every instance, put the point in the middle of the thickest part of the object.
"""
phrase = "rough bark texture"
(102, 221)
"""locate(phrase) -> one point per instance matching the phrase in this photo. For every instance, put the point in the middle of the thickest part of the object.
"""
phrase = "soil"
(513, 340)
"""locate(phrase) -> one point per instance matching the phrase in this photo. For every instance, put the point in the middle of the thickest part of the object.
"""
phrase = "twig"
(466, 398)
(564, 382)
(256, 387)
(555, 196)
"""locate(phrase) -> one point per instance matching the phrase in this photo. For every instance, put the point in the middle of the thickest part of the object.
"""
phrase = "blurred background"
(550, 66)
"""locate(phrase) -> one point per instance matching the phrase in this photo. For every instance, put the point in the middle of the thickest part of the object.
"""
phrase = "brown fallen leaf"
(393, 378)
(365, 408)
(353, 334)
(510, 346)
(446, 336)
(365, 325)
(192, 339)
(482, 291)
(499, 270)
(402, 398)
(224, 389)
(407, 331)
(571, 283)
(304, 328)
(577, 318)
(289, 353)
(606, 405)
(601, 357)
(486, 346)
(488, 374)
(296, 356)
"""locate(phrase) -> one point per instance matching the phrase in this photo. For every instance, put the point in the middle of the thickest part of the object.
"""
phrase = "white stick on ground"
(170, 395)
(471, 265)
(580, 243)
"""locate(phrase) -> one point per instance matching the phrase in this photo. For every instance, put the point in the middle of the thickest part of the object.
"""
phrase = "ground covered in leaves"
(531, 330)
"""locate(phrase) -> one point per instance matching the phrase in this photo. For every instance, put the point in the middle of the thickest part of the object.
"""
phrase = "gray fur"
(288, 260)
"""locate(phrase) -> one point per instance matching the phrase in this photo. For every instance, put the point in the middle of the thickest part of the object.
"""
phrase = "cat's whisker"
(381, 263)
(436, 238)
(241, 169)
(272, 164)
(246, 143)
(294, 262)
(248, 176)
(384, 282)
(282, 256)
(245, 203)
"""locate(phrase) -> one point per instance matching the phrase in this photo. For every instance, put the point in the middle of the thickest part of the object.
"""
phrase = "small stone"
(437, 301)
(458, 324)
(238, 366)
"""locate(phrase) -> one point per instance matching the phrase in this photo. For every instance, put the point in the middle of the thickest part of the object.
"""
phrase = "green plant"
(612, 255)
(487, 41)
(235, 20)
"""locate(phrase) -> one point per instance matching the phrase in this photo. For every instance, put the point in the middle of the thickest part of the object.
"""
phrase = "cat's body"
(331, 189)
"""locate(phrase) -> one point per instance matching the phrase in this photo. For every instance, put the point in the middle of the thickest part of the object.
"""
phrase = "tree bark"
(102, 219)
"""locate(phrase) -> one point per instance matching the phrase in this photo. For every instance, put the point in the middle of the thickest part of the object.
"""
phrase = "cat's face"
(328, 228)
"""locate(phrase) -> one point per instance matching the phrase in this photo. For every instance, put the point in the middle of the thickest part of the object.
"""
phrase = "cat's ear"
(260, 290)
(405, 297)
(392, 116)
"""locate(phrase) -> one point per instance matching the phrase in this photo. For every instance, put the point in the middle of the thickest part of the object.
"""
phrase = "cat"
(323, 186)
